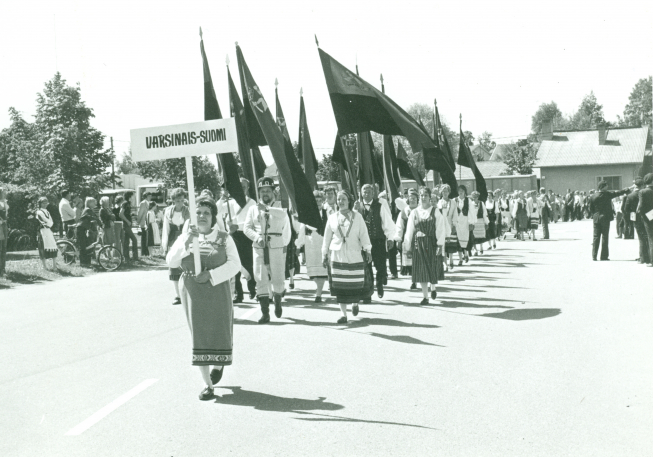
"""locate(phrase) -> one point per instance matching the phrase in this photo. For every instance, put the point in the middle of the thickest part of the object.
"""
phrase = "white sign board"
(184, 140)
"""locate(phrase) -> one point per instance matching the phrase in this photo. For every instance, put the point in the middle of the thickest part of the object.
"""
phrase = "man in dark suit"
(569, 206)
(630, 205)
(602, 215)
(645, 206)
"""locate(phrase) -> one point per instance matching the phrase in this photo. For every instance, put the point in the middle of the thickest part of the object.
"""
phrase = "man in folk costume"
(269, 229)
(381, 230)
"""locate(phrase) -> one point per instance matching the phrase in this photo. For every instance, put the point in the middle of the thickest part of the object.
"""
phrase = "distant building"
(499, 152)
(480, 152)
(492, 173)
(578, 160)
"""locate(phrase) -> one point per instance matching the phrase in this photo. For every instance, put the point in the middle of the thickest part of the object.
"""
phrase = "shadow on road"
(267, 402)
(464, 304)
(328, 418)
(525, 314)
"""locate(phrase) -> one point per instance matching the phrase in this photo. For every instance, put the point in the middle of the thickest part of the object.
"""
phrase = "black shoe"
(367, 301)
(177, 301)
(594, 259)
(207, 394)
(318, 299)
(278, 310)
(291, 285)
(238, 299)
(265, 319)
(354, 310)
(413, 286)
(605, 260)
(434, 294)
(252, 295)
(385, 281)
(216, 375)
(342, 320)
(379, 290)
(394, 277)
(424, 302)
(460, 263)
(265, 309)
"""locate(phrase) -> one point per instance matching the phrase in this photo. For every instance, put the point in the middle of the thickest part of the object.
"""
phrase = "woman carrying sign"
(206, 296)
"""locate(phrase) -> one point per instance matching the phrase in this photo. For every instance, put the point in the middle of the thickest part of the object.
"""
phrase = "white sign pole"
(193, 212)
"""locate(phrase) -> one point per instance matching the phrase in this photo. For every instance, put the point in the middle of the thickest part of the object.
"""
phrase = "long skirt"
(491, 232)
(209, 312)
(440, 267)
(533, 223)
(350, 277)
(313, 252)
(406, 263)
(425, 261)
(47, 245)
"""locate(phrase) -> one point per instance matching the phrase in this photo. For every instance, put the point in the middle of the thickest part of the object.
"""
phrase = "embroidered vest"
(373, 219)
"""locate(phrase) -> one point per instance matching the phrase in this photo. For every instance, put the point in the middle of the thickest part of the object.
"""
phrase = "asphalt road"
(529, 350)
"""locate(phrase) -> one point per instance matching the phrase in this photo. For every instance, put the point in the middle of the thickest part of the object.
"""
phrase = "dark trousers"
(601, 236)
(620, 225)
(129, 236)
(3, 255)
(144, 244)
(629, 228)
(567, 213)
(83, 241)
(545, 226)
(648, 227)
(379, 257)
(392, 259)
(642, 237)
(68, 228)
(244, 247)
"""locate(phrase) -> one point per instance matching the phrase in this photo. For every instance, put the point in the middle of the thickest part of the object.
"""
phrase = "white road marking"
(102, 413)
(248, 313)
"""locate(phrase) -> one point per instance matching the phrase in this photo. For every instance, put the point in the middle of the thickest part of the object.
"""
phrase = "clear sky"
(139, 63)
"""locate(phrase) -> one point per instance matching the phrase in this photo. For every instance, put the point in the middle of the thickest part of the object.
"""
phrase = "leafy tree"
(60, 149)
(589, 114)
(520, 158)
(327, 169)
(126, 165)
(172, 173)
(548, 112)
(638, 109)
(486, 141)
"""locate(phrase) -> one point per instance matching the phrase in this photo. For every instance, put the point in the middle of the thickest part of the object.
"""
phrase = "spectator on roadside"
(126, 218)
(4, 230)
(87, 232)
(546, 212)
(78, 205)
(68, 214)
(153, 233)
(107, 218)
(46, 243)
(174, 218)
(601, 210)
(616, 206)
(119, 233)
(629, 207)
(141, 220)
(645, 210)
(639, 223)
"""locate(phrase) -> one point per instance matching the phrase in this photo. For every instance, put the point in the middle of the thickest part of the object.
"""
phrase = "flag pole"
(193, 215)
(460, 127)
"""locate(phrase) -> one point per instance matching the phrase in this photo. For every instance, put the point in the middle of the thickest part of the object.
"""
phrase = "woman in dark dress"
(493, 214)
(206, 296)
(425, 236)
(86, 232)
(174, 218)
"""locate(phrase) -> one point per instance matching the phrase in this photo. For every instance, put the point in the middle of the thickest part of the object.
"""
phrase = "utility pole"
(113, 165)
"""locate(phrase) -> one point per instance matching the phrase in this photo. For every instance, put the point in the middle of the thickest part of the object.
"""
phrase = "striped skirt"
(534, 223)
(425, 262)
(347, 281)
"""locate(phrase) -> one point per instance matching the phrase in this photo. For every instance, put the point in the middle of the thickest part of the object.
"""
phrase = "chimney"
(546, 131)
(603, 134)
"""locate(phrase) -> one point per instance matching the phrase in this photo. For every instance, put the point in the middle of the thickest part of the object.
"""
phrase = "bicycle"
(108, 256)
(18, 240)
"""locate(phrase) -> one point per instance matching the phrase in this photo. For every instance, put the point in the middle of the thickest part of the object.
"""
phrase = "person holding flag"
(381, 232)
(269, 229)
(401, 223)
(244, 246)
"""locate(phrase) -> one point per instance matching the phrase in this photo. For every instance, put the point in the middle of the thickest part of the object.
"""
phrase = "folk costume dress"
(153, 234)
(465, 218)
(208, 306)
(47, 244)
(425, 232)
(479, 231)
(312, 243)
(345, 237)
(401, 223)
(533, 207)
(449, 210)
(492, 215)
(520, 215)
(173, 223)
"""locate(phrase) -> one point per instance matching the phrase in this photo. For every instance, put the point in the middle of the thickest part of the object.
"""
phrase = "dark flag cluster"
(466, 159)
(227, 161)
(345, 165)
(447, 172)
(305, 152)
(291, 175)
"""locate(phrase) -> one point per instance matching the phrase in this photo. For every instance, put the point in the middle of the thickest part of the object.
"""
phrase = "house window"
(614, 182)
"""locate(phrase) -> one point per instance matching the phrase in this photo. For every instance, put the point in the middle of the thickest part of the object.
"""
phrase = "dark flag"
(390, 168)
(290, 172)
(212, 111)
(342, 157)
(252, 173)
(358, 107)
(405, 168)
(364, 155)
(305, 151)
(465, 159)
(448, 169)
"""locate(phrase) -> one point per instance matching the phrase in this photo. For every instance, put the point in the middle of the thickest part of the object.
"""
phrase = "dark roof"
(623, 145)
(498, 153)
